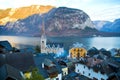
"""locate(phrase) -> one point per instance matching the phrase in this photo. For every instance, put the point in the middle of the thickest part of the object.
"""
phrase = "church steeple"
(43, 27)
(43, 38)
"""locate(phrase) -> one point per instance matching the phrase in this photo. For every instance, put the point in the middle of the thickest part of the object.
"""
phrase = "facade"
(77, 52)
(64, 70)
(89, 72)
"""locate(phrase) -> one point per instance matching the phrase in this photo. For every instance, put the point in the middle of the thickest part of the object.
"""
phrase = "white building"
(49, 47)
(94, 69)
(89, 72)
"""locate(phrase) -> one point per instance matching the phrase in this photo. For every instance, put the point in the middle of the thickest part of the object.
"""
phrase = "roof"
(55, 45)
(48, 62)
(40, 59)
(20, 61)
(6, 45)
(9, 71)
(53, 69)
(98, 65)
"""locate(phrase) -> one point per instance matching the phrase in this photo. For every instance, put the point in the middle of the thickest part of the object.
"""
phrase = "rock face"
(21, 13)
(60, 21)
(67, 18)
(66, 22)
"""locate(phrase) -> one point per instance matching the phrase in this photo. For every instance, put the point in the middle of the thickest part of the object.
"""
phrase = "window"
(89, 68)
(95, 78)
(89, 74)
(83, 72)
(84, 66)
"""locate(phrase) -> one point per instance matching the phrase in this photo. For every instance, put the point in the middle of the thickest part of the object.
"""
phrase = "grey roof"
(48, 62)
(60, 45)
(6, 45)
(20, 61)
(40, 59)
(9, 71)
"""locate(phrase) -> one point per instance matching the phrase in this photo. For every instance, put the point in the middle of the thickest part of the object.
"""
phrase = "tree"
(37, 49)
(35, 75)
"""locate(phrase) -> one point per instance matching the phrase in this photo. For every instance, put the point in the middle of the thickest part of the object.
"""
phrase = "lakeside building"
(77, 52)
(49, 47)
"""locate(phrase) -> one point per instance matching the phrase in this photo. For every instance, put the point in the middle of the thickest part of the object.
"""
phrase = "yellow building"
(77, 52)
(64, 70)
(27, 75)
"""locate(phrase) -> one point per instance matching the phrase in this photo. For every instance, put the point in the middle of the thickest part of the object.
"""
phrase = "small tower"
(43, 39)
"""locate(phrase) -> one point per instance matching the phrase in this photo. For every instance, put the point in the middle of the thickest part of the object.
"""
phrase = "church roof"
(60, 45)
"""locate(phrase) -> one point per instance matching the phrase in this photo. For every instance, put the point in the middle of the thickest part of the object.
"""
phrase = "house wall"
(43, 44)
(65, 71)
(27, 75)
(88, 72)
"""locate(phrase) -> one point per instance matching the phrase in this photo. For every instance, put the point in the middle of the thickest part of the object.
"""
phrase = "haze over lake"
(98, 42)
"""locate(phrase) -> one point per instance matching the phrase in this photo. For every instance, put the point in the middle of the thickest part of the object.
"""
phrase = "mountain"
(111, 26)
(107, 26)
(26, 27)
(65, 21)
(99, 24)
(11, 15)
(60, 21)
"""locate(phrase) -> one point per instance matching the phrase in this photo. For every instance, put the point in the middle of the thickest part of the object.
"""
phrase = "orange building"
(77, 52)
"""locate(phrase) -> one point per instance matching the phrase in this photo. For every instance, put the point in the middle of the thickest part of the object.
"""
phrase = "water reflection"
(106, 42)
(20, 41)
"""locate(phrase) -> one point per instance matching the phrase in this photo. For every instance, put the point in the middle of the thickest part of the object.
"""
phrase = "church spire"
(43, 27)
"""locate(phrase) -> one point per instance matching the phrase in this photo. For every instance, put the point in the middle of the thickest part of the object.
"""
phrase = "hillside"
(11, 15)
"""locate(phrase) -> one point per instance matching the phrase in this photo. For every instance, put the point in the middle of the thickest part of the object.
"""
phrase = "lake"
(98, 42)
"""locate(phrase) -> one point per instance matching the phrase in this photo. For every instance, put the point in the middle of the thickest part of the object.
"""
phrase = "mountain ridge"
(107, 26)
(13, 14)
(59, 22)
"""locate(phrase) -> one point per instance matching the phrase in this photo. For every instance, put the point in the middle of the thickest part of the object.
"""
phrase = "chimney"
(42, 65)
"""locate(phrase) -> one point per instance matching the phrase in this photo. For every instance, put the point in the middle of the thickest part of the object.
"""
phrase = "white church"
(49, 47)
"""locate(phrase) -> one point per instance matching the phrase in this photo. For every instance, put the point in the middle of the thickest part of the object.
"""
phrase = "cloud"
(110, 13)
(96, 9)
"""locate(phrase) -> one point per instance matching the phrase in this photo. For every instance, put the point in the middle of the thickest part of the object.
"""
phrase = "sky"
(96, 9)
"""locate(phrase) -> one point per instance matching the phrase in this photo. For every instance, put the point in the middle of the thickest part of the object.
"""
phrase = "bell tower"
(43, 39)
